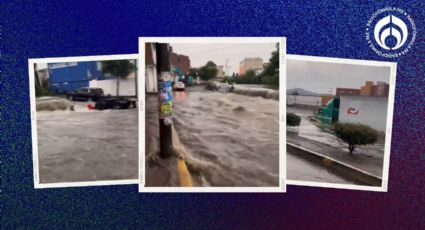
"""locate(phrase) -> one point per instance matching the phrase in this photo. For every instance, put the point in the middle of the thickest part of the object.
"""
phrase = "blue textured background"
(37, 29)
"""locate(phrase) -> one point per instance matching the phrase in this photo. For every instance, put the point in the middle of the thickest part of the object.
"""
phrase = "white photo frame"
(282, 111)
(31, 63)
(388, 128)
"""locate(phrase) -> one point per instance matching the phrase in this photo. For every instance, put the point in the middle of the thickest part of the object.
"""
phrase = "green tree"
(193, 72)
(41, 88)
(250, 77)
(208, 71)
(119, 69)
(270, 74)
(38, 88)
(355, 134)
(292, 119)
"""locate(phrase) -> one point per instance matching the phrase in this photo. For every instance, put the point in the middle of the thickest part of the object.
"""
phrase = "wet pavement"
(310, 136)
(303, 170)
(87, 145)
(229, 139)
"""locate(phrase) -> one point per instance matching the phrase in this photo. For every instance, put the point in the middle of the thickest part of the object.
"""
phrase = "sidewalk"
(161, 172)
(360, 160)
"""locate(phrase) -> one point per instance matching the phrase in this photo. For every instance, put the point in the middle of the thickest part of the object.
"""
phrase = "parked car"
(86, 94)
(179, 86)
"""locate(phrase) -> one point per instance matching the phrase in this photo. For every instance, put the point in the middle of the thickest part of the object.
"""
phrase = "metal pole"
(164, 99)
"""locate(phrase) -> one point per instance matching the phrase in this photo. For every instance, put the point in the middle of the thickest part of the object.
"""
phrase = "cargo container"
(69, 76)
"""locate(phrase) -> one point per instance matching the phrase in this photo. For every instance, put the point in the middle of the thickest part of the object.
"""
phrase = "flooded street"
(308, 135)
(311, 131)
(303, 170)
(234, 139)
(231, 140)
(87, 145)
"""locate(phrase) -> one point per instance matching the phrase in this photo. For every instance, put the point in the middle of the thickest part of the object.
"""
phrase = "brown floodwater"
(233, 140)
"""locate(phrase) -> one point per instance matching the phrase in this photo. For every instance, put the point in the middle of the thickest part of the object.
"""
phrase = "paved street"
(84, 145)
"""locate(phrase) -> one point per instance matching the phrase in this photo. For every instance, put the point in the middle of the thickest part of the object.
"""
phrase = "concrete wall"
(303, 100)
(370, 111)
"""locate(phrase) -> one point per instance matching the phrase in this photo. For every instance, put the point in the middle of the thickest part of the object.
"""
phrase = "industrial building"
(368, 110)
(380, 89)
(367, 105)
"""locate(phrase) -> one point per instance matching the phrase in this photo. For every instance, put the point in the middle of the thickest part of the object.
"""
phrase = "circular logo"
(391, 32)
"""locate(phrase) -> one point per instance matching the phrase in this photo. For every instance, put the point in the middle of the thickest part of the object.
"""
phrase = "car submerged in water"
(179, 86)
(86, 94)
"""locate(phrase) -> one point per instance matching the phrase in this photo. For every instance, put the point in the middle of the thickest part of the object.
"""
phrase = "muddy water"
(233, 140)
(84, 145)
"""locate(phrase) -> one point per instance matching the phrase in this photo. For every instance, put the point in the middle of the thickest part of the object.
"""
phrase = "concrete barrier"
(341, 169)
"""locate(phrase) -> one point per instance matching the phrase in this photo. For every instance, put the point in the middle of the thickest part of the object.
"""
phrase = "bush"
(355, 134)
(292, 119)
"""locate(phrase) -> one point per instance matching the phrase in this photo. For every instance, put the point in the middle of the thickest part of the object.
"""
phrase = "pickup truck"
(85, 94)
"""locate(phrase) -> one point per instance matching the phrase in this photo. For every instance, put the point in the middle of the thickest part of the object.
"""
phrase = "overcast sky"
(200, 54)
(319, 77)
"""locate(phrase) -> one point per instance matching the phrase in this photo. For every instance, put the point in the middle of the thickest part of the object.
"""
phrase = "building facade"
(181, 61)
(246, 64)
(220, 71)
(368, 110)
(150, 68)
(380, 89)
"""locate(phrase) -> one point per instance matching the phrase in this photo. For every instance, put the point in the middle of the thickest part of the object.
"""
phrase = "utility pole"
(165, 99)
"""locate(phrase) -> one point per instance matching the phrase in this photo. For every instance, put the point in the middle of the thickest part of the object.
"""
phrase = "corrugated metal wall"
(66, 77)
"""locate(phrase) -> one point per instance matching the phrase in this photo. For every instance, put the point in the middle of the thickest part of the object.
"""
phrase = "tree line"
(269, 76)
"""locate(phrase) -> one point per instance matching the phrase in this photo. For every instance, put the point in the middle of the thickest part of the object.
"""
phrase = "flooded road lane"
(83, 145)
(232, 139)
(302, 170)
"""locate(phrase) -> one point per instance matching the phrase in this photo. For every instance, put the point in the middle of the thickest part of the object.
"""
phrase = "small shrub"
(355, 134)
(292, 119)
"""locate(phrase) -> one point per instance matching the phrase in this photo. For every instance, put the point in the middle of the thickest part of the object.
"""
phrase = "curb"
(342, 169)
(184, 175)
(182, 171)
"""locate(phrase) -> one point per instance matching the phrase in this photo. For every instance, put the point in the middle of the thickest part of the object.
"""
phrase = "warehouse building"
(367, 106)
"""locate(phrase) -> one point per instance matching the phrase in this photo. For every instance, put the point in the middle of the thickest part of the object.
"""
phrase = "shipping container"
(66, 77)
